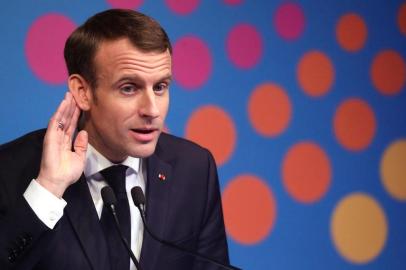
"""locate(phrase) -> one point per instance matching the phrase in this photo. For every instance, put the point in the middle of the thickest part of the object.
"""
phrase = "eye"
(161, 88)
(128, 89)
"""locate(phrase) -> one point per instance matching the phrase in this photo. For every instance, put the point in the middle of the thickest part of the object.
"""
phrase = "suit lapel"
(157, 205)
(84, 219)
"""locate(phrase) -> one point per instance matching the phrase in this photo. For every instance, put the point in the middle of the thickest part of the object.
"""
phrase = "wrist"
(54, 187)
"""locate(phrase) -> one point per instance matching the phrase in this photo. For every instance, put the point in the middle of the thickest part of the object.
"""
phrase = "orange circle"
(354, 124)
(359, 228)
(402, 18)
(306, 172)
(269, 109)
(211, 127)
(249, 209)
(388, 72)
(393, 170)
(315, 73)
(351, 32)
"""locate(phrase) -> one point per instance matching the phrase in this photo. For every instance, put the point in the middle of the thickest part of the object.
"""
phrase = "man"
(51, 212)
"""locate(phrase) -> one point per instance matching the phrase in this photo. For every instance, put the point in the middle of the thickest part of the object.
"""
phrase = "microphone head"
(108, 196)
(138, 196)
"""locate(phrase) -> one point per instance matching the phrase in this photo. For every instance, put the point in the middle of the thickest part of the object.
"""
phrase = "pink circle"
(233, 2)
(244, 46)
(44, 47)
(289, 21)
(192, 62)
(129, 4)
(182, 7)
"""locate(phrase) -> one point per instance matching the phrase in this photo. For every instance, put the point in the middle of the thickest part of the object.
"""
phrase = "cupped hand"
(61, 165)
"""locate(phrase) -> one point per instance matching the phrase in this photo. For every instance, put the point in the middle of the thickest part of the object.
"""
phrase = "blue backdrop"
(301, 102)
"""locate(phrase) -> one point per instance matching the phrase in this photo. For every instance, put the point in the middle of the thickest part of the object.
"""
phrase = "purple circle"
(44, 47)
(244, 46)
(129, 4)
(289, 21)
(182, 7)
(233, 2)
(192, 62)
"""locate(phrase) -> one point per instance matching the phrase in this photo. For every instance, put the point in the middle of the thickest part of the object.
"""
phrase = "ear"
(81, 91)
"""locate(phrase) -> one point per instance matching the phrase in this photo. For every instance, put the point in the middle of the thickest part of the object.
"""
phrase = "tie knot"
(115, 176)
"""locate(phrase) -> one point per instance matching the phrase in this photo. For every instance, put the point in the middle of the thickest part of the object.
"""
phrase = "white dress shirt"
(49, 208)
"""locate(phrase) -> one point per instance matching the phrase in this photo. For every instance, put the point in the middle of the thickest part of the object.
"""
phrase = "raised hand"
(60, 165)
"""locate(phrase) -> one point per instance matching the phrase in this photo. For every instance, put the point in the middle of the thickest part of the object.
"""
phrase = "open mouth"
(143, 131)
(144, 135)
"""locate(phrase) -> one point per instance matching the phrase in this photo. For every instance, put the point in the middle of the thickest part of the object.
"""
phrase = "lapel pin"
(161, 177)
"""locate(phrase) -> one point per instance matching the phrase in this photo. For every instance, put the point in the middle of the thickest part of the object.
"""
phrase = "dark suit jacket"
(184, 208)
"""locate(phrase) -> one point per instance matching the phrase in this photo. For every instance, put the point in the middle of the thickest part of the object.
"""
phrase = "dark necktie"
(119, 258)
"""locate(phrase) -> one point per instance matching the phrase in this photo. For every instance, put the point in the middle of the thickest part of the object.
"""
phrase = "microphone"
(109, 200)
(139, 200)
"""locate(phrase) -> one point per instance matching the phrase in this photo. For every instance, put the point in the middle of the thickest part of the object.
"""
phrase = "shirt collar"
(95, 162)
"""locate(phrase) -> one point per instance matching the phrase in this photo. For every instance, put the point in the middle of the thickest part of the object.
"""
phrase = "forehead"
(123, 55)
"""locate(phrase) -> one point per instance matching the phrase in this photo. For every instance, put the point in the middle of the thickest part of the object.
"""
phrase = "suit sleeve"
(20, 232)
(23, 236)
(212, 239)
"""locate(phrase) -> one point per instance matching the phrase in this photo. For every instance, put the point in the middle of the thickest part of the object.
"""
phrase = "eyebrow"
(167, 77)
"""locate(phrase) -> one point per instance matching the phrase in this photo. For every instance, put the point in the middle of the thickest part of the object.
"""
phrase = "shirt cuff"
(47, 207)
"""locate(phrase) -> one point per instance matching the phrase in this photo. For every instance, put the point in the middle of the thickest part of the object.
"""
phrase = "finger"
(53, 134)
(69, 111)
(65, 116)
(70, 119)
(80, 144)
(74, 121)
(58, 116)
(66, 121)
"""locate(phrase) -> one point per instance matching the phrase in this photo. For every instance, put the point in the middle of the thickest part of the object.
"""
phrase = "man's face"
(128, 108)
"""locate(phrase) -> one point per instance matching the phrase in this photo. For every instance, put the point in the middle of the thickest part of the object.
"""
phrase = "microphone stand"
(109, 200)
(139, 200)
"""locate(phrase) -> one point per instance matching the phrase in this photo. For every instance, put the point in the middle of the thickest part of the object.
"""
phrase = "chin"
(143, 151)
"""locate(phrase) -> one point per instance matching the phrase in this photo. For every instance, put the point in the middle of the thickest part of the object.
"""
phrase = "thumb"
(80, 144)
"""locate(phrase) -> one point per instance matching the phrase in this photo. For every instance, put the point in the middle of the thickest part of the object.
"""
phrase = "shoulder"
(171, 147)
(24, 146)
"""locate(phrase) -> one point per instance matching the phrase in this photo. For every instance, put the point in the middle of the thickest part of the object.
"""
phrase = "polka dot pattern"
(359, 228)
(306, 172)
(182, 7)
(126, 4)
(402, 19)
(45, 40)
(354, 124)
(249, 209)
(269, 110)
(302, 104)
(213, 128)
(315, 73)
(192, 62)
(289, 21)
(244, 46)
(388, 72)
(351, 32)
(393, 170)
(233, 2)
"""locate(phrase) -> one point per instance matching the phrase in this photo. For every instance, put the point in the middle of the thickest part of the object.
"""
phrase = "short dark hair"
(144, 33)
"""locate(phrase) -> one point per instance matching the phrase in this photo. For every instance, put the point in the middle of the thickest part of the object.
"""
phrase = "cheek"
(163, 106)
(110, 116)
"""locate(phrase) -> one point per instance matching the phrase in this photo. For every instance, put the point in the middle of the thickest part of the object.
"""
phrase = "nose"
(148, 105)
